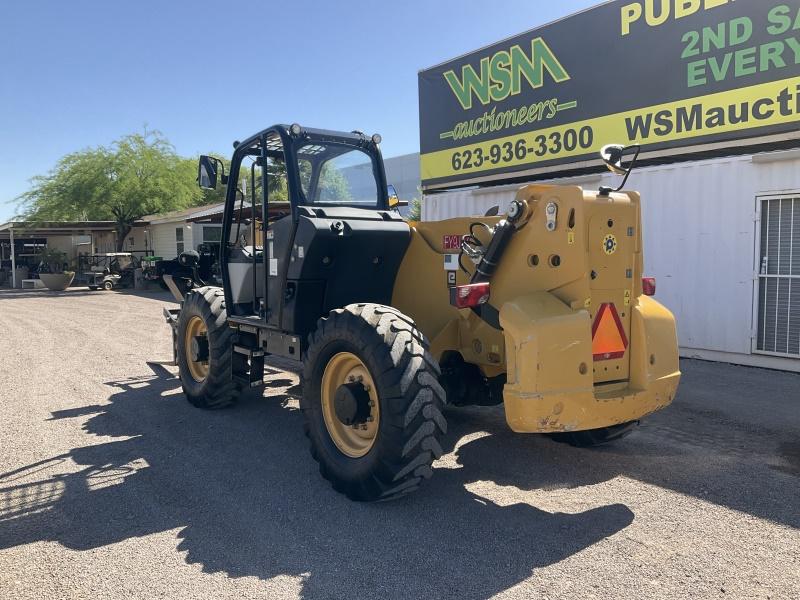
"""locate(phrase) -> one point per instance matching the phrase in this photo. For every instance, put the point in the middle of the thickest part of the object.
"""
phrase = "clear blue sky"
(80, 73)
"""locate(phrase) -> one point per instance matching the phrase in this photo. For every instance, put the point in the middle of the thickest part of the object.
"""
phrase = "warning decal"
(609, 341)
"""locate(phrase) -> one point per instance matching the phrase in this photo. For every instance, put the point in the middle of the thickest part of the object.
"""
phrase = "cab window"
(337, 174)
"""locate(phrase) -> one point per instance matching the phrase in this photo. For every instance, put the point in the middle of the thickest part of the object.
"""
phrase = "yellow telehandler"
(543, 308)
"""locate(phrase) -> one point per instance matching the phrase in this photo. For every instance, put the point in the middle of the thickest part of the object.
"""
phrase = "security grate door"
(778, 324)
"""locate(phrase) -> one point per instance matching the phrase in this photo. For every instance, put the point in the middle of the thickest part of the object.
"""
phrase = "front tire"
(374, 357)
(205, 350)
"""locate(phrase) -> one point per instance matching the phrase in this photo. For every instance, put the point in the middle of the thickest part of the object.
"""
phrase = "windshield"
(337, 174)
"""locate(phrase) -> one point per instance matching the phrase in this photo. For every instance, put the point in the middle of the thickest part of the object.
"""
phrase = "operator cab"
(307, 228)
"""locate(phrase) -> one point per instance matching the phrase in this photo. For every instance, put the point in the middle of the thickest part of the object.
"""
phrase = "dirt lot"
(112, 486)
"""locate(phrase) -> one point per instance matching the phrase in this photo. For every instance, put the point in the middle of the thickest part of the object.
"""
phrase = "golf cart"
(112, 270)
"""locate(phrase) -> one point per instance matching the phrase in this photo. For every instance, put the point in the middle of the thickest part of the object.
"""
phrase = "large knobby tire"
(207, 384)
(595, 437)
(401, 441)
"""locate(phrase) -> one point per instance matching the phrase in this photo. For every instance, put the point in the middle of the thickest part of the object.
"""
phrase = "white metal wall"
(699, 225)
(161, 238)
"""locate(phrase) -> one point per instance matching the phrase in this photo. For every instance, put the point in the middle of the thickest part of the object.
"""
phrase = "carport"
(20, 242)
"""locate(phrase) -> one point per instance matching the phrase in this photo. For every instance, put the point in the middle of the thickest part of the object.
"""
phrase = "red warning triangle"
(609, 341)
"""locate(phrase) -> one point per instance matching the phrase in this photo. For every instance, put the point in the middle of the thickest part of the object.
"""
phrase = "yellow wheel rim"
(197, 369)
(357, 440)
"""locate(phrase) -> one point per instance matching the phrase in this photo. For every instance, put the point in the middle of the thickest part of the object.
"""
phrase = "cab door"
(276, 228)
(260, 230)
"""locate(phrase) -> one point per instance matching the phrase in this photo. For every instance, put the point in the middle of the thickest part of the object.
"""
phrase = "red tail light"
(649, 286)
(469, 296)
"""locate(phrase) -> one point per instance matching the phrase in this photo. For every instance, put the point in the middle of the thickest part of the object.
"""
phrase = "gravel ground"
(112, 486)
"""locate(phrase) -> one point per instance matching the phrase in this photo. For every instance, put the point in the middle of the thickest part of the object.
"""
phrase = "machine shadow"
(240, 488)
(242, 493)
(698, 455)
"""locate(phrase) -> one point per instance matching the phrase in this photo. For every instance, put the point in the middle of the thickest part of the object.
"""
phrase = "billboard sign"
(671, 75)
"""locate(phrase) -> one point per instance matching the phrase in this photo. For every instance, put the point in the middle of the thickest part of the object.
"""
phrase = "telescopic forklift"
(543, 308)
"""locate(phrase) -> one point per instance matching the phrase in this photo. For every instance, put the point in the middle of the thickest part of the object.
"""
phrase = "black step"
(247, 365)
(245, 381)
(247, 351)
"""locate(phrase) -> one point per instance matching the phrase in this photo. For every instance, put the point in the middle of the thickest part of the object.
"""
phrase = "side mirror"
(394, 200)
(207, 173)
(207, 168)
(612, 155)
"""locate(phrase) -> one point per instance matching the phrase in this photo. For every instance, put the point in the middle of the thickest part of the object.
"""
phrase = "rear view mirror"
(614, 157)
(393, 198)
(207, 173)
(207, 169)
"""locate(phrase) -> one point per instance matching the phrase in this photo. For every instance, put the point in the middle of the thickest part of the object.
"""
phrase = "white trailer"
(722, 238)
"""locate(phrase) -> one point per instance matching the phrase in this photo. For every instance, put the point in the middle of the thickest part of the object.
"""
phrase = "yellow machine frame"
(553, 277)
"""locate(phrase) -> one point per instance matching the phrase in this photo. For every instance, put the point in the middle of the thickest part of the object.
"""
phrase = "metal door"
(778, 273)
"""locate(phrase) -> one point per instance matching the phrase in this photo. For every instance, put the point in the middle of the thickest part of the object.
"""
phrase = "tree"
(139, 174)
(277, 185)
(415, 207)
(414, 210)
(333, 186)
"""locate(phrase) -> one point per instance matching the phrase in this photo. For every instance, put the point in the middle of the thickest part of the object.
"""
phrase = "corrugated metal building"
(403, 173)
(722, 237)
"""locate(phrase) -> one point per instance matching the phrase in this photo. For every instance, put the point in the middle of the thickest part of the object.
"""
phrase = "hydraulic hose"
(503, 232)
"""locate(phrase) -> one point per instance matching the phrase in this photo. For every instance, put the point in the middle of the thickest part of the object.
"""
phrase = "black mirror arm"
(629, 170)
(223, 177)
(605, 190)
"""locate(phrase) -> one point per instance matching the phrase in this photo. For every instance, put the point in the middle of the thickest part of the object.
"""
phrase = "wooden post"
(13, 261)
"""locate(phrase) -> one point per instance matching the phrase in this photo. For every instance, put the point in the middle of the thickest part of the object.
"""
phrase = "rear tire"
(407, 422)
(595, 437)
(206, 385)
